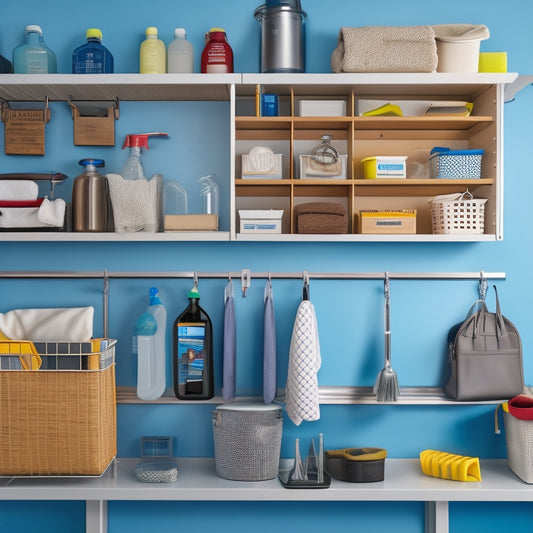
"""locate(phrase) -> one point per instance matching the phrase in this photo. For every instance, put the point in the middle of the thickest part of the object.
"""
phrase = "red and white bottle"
(217, 56)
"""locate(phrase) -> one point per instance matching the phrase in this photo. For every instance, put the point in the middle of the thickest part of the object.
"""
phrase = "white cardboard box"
(322, 108)
(260, 220)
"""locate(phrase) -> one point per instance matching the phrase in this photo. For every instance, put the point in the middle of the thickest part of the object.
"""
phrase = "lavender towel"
(269, 347)
(229, 356)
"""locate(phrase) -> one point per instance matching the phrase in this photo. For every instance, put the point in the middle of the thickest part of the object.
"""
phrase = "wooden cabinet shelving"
(362, 136)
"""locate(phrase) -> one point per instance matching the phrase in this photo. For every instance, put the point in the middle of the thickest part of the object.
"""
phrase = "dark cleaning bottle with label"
(192, 352)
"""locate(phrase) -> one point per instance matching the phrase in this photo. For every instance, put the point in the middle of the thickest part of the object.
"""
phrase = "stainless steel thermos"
(90, 198)
(282, 36)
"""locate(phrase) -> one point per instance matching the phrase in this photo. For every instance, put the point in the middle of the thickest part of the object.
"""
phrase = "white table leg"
(437, 520)
(96, 516)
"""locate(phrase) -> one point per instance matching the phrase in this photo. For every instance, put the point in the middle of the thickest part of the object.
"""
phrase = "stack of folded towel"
(21, 207)
(397, 48)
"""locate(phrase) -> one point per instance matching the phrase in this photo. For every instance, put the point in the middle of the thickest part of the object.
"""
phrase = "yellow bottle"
(153, 58)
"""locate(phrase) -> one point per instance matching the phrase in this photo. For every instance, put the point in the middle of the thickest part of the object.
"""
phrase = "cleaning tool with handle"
(386, 387)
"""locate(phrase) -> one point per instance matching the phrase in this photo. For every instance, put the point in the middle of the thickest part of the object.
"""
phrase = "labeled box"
(402, 221)
(260, 220)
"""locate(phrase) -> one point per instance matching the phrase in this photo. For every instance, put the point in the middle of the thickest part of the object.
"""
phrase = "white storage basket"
(458, 213)
(519, 441)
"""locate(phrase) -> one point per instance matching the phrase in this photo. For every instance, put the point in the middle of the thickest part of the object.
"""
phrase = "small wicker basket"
(60, 419)
(458, 213)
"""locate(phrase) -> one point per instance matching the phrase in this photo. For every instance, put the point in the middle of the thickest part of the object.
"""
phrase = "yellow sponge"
(450, 466)
(493, 62)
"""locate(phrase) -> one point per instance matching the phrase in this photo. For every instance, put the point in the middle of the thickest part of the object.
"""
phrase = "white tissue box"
(249, 173)
(260, 220)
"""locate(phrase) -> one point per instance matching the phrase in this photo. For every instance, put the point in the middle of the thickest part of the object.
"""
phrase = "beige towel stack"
(385, 49)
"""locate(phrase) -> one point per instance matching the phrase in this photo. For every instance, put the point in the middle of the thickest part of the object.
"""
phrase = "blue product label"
(191, 338)
(264, 226)
(390, 166)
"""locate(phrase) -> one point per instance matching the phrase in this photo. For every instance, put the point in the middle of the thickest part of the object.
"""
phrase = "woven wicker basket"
(59, 422)
(519, 442)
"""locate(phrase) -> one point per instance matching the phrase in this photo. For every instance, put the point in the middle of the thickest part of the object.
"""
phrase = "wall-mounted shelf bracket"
(513, 88)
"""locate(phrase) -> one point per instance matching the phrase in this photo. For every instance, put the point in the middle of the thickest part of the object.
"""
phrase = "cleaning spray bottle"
(133, 168)
(193, 352)
(157, 378)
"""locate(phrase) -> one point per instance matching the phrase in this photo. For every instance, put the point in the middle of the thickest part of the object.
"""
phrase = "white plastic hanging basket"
(458, 213)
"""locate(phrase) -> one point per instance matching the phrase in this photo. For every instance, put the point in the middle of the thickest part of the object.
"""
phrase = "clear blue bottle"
(34, 57)
(92, 57)
(5, 65)
(144, 345)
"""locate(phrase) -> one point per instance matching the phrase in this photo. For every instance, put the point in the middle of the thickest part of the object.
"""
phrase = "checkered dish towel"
(301, 390)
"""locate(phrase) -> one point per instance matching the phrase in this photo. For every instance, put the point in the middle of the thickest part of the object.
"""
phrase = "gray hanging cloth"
(229, 353)
(269, 347)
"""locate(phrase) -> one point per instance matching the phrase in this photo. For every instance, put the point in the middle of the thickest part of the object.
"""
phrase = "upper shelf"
(134, 87)
(174, 87)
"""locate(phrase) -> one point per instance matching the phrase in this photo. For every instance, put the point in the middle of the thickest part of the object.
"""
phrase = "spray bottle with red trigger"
(133, 169)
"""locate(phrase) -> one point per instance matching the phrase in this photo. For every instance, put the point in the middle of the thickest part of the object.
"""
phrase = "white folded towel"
(301, 389)
(52, 212)
(18, 190)
(68, 324)
(20, 217)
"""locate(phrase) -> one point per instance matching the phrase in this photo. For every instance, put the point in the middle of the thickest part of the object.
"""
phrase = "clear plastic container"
(175, 199)
(180, 56)
(144, 348)
(209, 192)
(92, 57)
(34, 57)
(152, 53)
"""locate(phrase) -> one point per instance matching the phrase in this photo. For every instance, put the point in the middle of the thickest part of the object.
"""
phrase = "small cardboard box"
(402, 221)
(191, 222)
(260, 220)
(322, 108)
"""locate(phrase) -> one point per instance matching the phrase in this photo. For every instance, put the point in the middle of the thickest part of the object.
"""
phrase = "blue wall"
(353, 308)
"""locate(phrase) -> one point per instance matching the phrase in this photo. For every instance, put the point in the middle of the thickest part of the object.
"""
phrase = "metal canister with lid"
(90, 198)
(282, 35)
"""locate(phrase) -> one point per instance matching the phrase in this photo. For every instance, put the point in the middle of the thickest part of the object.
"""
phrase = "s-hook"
(483, 285)
(306, 293)
(245, 280)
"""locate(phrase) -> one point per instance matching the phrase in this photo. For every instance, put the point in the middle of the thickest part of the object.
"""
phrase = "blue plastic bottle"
(34, 57)
(144, 345)
(92, 57)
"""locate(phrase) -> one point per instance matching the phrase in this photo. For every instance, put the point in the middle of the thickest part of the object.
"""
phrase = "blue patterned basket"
(455, 164)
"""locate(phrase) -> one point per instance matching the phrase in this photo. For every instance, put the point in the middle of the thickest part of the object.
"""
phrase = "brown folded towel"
(321, 217)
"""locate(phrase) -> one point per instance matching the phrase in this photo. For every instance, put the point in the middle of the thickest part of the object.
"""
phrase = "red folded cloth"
(521, 407)
(21, 203)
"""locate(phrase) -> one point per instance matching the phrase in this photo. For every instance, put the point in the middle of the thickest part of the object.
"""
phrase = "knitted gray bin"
(247, 439)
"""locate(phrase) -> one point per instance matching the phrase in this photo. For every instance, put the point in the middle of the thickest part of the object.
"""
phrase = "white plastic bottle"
(152, 53)
(144, 347)
(157, 309)
(180, 56)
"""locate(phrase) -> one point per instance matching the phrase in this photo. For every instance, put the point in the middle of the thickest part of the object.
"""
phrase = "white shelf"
(298, 237)
(332, 395)
(197, 481)
(134, 87)
(141, 236)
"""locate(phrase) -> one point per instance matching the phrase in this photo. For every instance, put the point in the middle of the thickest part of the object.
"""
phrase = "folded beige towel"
(385, 49)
